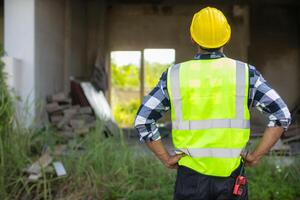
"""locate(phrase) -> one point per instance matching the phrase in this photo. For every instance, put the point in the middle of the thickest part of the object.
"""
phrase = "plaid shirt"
(261, 96)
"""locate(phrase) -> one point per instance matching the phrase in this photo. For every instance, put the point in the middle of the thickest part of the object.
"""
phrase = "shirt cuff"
(151, 137)
(284, 123)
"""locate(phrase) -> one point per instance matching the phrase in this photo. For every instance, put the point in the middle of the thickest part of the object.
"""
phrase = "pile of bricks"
(70, 120)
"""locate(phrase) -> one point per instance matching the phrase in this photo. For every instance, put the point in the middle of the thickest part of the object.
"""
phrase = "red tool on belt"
(240, 181)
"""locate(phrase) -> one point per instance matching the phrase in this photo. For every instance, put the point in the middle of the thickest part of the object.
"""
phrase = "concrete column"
(19, 44)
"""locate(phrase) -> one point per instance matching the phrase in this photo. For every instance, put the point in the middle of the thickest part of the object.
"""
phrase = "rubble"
(42, 165)
(36, 169)
(71, 117)
(42, 162)
(70, 120)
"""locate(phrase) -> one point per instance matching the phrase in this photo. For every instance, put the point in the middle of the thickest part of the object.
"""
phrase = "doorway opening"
(133, 75)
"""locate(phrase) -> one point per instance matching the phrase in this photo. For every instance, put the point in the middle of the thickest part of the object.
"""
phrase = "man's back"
(209, 112)
(209, 98)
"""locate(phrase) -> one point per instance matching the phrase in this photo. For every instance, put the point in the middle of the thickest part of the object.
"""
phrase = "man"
(209, 98)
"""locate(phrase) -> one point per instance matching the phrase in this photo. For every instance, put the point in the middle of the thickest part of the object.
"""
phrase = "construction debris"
(42, 165)
(98, 102)
(59, 169)
(42, 162)
(36, 169)
(70, 120)
(72, 117)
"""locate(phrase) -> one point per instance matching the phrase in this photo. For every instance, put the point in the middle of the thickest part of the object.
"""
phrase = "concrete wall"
(19, 34)
(62, 43)
(136, 27)
(78, 62)
(50, 22)
(96, 38)
(274, 48)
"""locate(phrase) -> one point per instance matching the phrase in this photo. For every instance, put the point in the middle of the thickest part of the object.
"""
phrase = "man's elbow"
(139, 121)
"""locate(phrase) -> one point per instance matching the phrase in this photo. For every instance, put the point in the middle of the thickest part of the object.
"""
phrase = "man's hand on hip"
(250, 159)
(163, 155)
(270, 137)
(172, 161)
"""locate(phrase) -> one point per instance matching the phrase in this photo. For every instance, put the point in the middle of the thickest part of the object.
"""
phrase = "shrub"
(125, 113)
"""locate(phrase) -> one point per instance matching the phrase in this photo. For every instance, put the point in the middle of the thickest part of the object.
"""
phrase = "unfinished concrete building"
(47, 41)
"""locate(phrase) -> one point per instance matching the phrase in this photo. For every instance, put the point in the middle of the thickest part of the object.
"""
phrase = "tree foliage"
(127, 77)
(153, 72)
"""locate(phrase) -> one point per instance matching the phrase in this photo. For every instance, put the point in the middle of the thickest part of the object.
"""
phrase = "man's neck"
(203, 51)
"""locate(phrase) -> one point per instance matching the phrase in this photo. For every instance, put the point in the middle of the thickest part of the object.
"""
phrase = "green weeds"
(107, 168)
(104, 168)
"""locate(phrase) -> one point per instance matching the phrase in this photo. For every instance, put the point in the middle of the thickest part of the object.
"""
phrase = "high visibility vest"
(209, 112)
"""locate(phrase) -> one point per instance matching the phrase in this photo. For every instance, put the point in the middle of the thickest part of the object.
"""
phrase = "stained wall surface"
(49, 37)
(274, 48)
(68, 35)
(136, 27)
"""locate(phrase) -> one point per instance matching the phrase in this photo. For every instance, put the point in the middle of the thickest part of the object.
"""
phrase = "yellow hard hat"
(210, 28)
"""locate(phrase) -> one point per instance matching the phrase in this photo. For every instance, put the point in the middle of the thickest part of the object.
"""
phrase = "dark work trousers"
(191, 185)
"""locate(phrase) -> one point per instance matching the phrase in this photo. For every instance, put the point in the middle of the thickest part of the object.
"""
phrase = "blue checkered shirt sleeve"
(153, 106)
(267, 101)
(261, 97)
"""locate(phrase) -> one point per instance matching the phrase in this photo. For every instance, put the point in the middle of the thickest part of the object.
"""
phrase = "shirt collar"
(212, 55)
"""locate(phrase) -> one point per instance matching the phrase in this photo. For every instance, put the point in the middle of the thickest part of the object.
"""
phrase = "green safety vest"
(209, 112)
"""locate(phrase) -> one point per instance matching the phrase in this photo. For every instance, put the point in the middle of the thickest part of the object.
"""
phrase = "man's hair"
(211, 50)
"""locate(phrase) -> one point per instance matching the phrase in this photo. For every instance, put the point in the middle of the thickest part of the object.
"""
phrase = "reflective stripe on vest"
(239, 122)
(212, 152)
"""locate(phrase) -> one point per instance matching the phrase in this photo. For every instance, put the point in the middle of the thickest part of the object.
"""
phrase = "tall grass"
(108, 168)
(6, 117)
(104, 168)
(272, 181)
